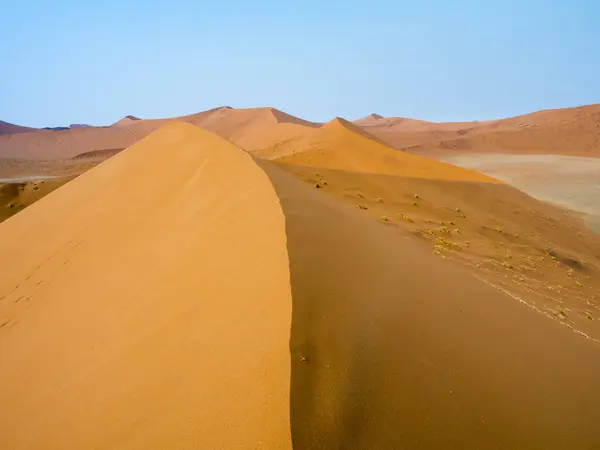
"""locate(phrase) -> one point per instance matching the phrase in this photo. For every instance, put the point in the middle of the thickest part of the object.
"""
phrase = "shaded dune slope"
(136, 312)
(393, 348)
(167, 312)
(9, 128)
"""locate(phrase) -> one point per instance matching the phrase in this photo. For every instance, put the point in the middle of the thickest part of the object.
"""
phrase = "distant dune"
(125, 121)
(572, 131)
(184, 295)
(9, 128)
(251, 128)
(569, 131)
(343, 146)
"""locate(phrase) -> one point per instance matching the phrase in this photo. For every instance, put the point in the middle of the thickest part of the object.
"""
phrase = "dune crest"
(342, 145)
(9, 128)
(144, 318)
(125, 121)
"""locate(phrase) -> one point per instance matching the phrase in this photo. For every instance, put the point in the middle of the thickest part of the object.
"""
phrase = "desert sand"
(568, 131)
(253, 127)
(9, 128)
(121, 326)
(275, 283)
(569, 181)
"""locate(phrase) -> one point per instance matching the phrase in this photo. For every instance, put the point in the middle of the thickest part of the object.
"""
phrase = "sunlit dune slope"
(146, 304)
(256, 128)
(343, 146)
(18, 195)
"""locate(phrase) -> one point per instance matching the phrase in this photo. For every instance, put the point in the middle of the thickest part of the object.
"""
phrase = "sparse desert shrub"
(429, 231)
(416, 204)
(448, 245)
(405, 217)
(384, 219)
(363, 206)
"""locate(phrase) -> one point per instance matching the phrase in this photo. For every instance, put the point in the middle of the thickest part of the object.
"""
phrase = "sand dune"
(168, 312)
(567, 131)
(256, 128)
(252, 128)
(121, 326)
(394, 348)
(18, 194)
(533, 250)
(343, 146)
(9, 128)
(125, 121)
(377, 122)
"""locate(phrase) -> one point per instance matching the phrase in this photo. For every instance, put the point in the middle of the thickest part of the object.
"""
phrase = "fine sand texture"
(225, 303)
(140, 311)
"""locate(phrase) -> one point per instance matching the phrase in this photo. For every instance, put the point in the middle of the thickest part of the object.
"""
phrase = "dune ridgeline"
(187, 294)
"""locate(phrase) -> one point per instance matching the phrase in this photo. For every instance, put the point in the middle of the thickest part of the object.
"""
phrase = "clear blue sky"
(94, 62)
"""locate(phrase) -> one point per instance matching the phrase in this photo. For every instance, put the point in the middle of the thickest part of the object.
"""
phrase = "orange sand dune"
(393, 347)
(568, 131)
(377, 122)
(256, 128)
(401, 132)
(141, 316)
(158, 316)
(251, 128)
(125, 121)
(9, 128)
(344, 146)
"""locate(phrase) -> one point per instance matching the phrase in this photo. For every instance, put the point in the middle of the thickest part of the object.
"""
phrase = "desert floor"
(569, 181)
